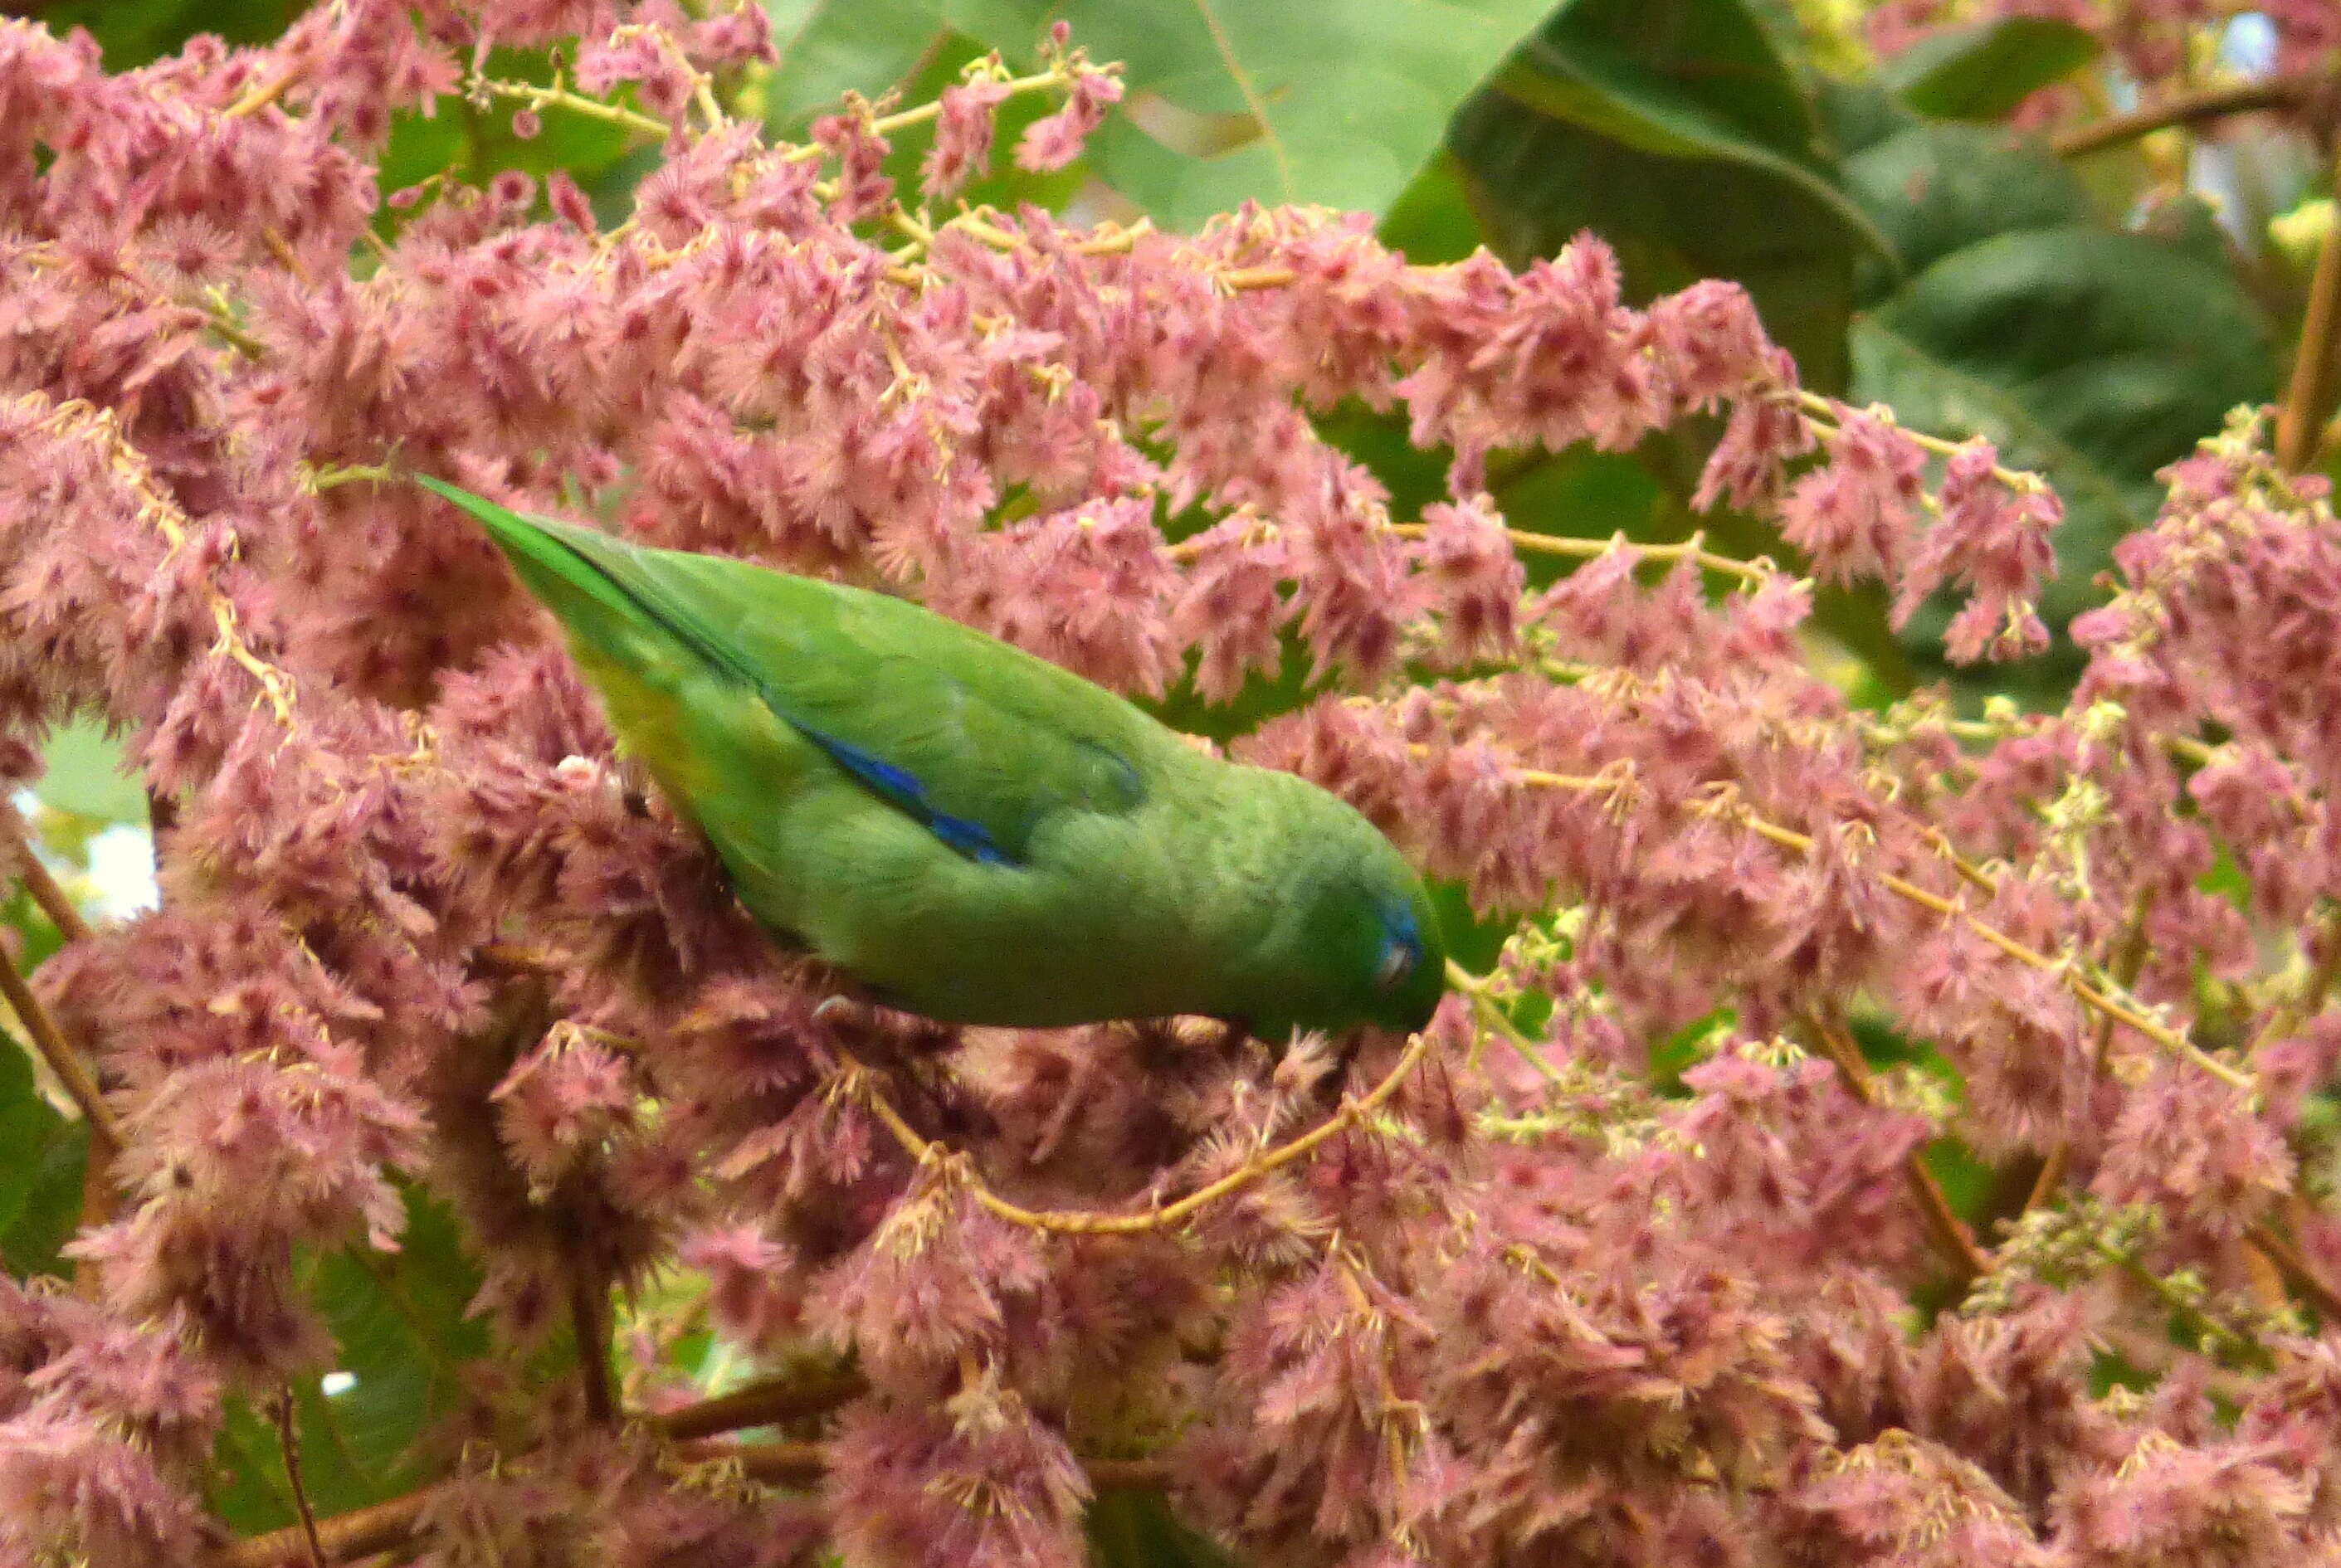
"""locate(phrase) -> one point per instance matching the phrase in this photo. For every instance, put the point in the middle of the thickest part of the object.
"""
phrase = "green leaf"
(85, 775)
(1675, 131)
(47, 1154)
(26, 1123)
(1431, 222)
(1138, 1530)
(2091, 356)
(1932, 189)
(134, 33)
(465, 140)
(830, 47)
(1338, 102)
(397, 1321)
(1687, 79)
(1980, 73)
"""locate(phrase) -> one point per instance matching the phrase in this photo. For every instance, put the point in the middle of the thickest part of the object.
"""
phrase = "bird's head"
(1358, 942)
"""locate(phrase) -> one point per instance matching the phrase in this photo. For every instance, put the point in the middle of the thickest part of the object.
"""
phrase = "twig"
(82, 420)
(1087, 1222)
(2296, 90)
(289, 1444)
(1821, 417)
(2308, 397)
(62, 1058)
(774, 1463)
(2295, 1268)
(1967, 1261)
(2092, 996)
(97, 1195)
(2309, 1001)
(763, 1404)
(344, 1538)
(387, 1526)
(589, 1309)
(391, 1524)
(17, 850)
(513, 958)
(1493, 1016)
(1973, 875)
(557, 98)
(1760, 571)
(264, 94)
(887, 125)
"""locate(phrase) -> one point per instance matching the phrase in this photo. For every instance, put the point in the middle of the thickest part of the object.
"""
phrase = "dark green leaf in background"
(1676, 131)
(1931, 189)
(134, 33)
(1980, 73)
(2092, 356)
(1138, 1530)
(42, 1154)
(397, 1320)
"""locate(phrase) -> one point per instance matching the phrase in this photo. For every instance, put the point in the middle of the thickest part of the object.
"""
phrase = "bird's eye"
(1399, 956)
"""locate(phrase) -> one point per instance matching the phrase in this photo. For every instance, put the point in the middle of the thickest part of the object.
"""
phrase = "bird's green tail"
(601, 588)
(553, 561)
(638, 647)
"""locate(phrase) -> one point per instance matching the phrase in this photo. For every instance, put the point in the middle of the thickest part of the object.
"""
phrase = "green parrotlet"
(968, 832)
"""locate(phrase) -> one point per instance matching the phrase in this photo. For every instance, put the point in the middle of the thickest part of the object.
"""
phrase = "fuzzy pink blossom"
(1854, 515)
(1994, 542)
(2186, 1144)
(1053, 141)
(962, 144)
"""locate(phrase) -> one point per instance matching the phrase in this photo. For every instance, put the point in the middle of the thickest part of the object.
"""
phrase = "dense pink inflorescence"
(423, 932)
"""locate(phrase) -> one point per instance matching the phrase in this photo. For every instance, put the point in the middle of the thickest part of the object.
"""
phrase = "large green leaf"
(1138, 1530)
(1676, 131)
(1982, 72)
(1432, 221)
(133, 33)
(830, 47)
(403, 1344)
(1336, 102)
(1932, 189)
(42, 1156)
(2090, 355)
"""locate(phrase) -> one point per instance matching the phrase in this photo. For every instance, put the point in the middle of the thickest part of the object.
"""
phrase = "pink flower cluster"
(421, 928)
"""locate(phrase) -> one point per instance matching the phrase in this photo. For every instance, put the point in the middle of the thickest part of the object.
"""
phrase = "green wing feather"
(953, 721)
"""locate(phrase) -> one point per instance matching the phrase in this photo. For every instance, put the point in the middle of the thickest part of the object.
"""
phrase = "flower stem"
(63, 1060)
(2295, 91)
(1088, 1221)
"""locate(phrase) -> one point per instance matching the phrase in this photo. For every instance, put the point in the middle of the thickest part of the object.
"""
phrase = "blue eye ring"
(1401, 955)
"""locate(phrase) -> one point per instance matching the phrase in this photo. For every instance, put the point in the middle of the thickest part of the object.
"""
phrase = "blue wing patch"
(905, 791)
